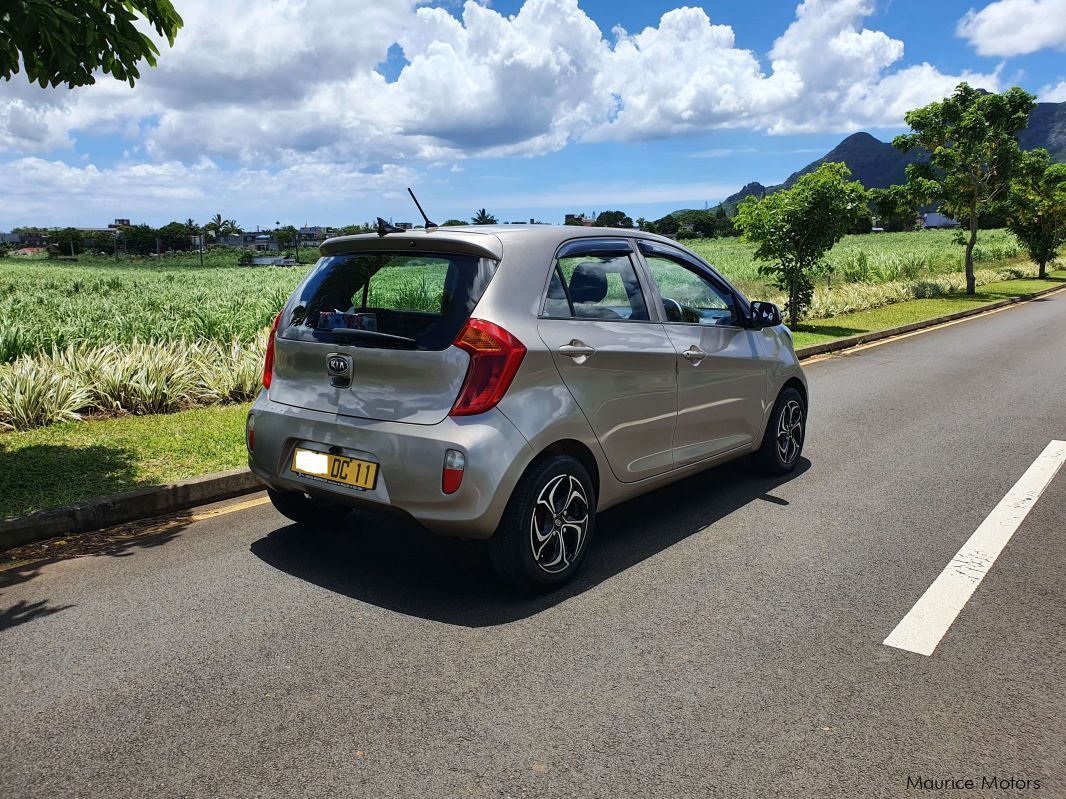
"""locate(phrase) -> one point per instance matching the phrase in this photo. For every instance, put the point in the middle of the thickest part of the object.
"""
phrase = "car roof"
(482, 240)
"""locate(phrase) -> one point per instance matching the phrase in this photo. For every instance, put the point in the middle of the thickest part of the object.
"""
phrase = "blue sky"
(323, 112)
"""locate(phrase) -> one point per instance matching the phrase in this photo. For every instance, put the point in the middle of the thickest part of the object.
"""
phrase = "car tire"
(782, 443)
(545, 530)
(304, 509)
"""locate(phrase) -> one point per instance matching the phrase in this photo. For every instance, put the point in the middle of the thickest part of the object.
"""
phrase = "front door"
(618, 364)
(721, 380)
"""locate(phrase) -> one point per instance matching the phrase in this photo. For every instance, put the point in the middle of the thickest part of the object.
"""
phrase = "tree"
(353, 230)
(68, 241)
(193, 228)
(574, 221)
(453, 223)
(613, 219)
(286, 236)
(174, 236)
(793, 229)
(221, 227)
(1037, 207)
(104, 241)
(704, 224)
(970, 137)
(895, 207)
(667, 226)
(723, 224)
(140, 239)
(65, 41)
(483, 217)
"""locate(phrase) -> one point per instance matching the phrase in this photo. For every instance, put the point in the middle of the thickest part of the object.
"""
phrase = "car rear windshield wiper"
(351, 331)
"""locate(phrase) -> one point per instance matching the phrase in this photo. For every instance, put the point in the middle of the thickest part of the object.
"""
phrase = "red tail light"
(268, 362)
(495, 356)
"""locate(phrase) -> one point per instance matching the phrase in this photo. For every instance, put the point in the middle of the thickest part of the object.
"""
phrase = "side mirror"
(765, 314)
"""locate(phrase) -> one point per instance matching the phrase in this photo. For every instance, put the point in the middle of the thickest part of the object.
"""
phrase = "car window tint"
(688, 296)
(595, 287)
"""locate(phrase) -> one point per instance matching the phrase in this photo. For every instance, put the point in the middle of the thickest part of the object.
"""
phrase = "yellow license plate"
(335, 468)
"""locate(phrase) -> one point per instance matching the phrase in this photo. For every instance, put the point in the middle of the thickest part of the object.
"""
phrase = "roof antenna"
(384, 228)
(419, 206)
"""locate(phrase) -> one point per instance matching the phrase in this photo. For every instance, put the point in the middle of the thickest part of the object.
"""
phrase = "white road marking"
(922, 628)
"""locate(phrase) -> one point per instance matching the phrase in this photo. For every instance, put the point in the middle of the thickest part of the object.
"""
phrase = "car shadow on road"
(400, 566)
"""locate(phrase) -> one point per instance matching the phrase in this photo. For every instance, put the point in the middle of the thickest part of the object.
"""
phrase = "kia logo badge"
(337, 365)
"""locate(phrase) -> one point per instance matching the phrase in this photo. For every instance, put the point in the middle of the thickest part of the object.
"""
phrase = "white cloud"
(291, 82)
(37, 189)
(1015, 27)
(1052, 94)
(293, 85)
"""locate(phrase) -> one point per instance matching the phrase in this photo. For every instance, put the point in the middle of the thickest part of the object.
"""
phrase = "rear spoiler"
(480, 245)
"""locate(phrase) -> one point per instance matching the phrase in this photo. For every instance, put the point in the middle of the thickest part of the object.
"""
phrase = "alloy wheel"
(790, 431)
(559, 523)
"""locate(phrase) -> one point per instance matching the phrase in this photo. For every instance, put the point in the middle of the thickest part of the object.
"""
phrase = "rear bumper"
(410, 458)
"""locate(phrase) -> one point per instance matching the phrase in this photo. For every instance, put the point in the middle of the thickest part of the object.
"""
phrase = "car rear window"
(389, 300)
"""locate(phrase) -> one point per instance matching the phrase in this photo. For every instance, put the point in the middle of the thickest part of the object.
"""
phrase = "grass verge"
(819, 331)
(76, 461)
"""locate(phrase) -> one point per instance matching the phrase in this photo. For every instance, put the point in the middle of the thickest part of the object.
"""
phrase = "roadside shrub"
(851, 297)
(33, 394)
(137, 378)
(233, 372)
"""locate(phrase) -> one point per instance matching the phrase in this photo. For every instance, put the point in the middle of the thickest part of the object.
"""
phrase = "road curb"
(119, 508)
(865, 338)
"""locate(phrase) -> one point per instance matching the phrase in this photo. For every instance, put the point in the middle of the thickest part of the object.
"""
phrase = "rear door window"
(595, 282)
(390, 300)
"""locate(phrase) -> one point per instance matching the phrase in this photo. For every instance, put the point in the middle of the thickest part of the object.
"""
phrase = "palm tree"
(194, 229)
(215, 225)
(219, 226)
(483, 217)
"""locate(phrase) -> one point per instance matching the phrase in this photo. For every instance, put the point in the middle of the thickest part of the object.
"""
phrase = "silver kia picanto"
(507, 382)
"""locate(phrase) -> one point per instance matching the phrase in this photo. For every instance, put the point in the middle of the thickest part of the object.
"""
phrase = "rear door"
(721, 380)
(617, 362)
(370, 335)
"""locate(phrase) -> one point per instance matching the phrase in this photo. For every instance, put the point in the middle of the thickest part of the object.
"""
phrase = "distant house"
(935, 220)
(580, 219)
(316, 233)
(261, 242)
(33, 238)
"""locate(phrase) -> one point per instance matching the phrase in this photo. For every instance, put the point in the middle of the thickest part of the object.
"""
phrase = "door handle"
(576, 349)
(694, 354)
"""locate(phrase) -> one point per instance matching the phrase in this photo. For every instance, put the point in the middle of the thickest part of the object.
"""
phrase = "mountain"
(874, 163)
(877, 164)
(1047, 129)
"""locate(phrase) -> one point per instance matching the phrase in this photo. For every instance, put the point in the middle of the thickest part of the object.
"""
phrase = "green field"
(44, 303)
(54, 303)
(872, 258)
(99, 337)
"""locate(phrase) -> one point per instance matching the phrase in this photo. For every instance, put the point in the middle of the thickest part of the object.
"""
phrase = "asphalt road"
(724, 639)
